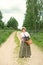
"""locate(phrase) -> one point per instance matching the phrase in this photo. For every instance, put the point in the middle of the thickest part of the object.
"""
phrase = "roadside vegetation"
(38, 39)
(4, 34)
(16, 39)
(7, 28)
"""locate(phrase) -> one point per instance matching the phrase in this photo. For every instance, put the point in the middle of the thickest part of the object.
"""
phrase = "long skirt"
(25, 50)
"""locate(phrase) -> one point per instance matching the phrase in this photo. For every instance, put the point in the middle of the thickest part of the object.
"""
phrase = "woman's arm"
(21, 38)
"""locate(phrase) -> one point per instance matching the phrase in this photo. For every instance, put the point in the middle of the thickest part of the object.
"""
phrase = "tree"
(1, 15)
(32, 16)
(12, 23)
(1, 22)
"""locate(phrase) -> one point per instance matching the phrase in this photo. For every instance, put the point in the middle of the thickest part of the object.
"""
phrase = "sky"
(13, 8)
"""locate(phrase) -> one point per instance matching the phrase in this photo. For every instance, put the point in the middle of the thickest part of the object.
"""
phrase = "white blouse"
(25, 34)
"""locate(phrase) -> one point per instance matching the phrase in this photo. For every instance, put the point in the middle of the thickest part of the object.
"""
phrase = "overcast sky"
(15, 8)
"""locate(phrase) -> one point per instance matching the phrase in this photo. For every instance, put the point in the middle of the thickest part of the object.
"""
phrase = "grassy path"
(9, 53)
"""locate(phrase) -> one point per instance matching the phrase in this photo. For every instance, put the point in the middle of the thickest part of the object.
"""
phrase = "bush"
(38, 39)
(4, 34)
(1, 24)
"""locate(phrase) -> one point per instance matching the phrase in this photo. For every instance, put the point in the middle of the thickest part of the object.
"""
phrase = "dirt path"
(37, 56)
(9, 54)
(6, 51)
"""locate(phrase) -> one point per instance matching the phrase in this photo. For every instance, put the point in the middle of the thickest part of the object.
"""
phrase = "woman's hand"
(23, 40)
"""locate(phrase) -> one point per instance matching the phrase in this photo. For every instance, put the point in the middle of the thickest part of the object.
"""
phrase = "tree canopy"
(1, 22)
(12, 23)
(1, 15)
(32, 16)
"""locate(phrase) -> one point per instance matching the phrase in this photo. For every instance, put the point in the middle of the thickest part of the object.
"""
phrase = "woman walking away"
(25, 50)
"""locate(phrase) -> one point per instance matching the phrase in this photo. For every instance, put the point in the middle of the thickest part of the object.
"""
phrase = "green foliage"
(4, 34)
(0, 15)
(1, 22)
(38, 39)
(32, 16)
(12, 23)
(41, 24)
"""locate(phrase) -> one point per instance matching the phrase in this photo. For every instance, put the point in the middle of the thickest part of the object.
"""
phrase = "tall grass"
(38, 39)
(16, 39)
(4, 34)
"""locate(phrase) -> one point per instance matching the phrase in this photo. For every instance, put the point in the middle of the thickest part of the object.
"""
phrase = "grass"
(4, 34)
(38, 39)
(16, 39)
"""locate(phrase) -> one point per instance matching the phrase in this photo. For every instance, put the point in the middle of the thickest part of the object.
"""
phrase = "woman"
(25, 48)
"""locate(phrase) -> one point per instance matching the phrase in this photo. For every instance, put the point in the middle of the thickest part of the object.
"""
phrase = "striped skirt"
(25, 50)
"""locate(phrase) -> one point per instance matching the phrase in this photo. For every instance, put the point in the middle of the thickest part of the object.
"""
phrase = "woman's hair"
(23, 28)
